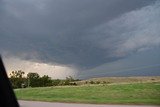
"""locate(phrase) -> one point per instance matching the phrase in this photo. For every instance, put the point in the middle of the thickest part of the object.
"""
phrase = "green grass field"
(134, 93)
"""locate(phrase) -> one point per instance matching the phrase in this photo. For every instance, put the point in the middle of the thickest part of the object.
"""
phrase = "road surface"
(50, 104)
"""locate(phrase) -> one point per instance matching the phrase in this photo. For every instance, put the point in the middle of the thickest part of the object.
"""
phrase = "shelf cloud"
(84, 34)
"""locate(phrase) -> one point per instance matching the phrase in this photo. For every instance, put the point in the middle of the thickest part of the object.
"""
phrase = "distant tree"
(32, 75)
(98, 82)
(33, 79)
(92, 82)
(86, 82)
(69, 80)
(56, 82)
(17, 79)
(17, 74)
(104, 82)
(45, 81)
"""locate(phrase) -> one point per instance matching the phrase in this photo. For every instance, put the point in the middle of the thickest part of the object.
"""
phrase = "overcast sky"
(80, 37)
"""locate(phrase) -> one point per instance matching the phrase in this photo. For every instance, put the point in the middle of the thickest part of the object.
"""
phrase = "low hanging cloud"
(84, 34)
(132, 32)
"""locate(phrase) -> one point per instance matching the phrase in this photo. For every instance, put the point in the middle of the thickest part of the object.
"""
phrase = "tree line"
(19, 80)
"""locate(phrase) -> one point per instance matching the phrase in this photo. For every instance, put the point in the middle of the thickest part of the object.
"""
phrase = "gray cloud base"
(85, 33)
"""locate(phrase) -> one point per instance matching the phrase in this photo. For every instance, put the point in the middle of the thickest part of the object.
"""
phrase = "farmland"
(110, 93)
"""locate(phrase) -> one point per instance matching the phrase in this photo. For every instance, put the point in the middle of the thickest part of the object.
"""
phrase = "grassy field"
(133, 93)
(122, 80)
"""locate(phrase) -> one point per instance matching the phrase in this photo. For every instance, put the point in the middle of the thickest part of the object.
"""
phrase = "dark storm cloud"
(68, 32)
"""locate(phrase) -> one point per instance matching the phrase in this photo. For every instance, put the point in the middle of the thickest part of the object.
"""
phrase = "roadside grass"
(133, 93)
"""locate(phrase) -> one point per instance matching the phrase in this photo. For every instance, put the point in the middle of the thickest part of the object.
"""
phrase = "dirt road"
(50, 104)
